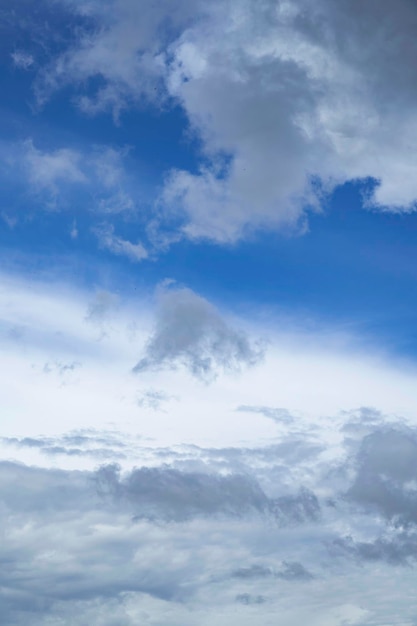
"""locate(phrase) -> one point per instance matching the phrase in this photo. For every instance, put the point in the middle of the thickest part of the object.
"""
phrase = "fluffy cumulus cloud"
(190, 331)
(288, 99)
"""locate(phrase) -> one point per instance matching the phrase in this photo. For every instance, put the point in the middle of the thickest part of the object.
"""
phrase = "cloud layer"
(224, 543)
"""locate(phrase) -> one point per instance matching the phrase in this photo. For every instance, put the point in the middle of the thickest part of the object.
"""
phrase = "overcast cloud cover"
(207, 313)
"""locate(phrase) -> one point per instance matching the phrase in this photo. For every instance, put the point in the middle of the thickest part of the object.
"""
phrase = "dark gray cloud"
(191, 332)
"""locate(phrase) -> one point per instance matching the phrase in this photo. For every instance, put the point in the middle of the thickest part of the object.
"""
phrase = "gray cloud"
(399, 549)
(387, 473)
(101, 454)
(198, 531)
(37, 491)
(170, 494)
(191, 332)
(100, 447)
(254, 571)
(294, 571)
(307, 86)
(61, 368)
(29, 442)
(103, 305)
(281, 416)
(247, 598)
(297, 508)
(154, 399)
(90, 538)
(291, 571)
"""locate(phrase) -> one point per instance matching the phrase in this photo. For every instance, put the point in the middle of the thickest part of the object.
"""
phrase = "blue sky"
(207, 320)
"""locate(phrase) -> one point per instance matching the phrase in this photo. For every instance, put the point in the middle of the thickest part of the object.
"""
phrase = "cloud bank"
(224, 544)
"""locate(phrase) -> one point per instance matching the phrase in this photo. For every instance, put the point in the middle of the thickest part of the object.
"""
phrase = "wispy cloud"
(108, 240)
(22, 60)
(47, 169)
(281, 416)
(95, 177)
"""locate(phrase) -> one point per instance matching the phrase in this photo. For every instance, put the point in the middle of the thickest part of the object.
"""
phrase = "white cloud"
(283, 95)
(74, 230)
(108, 166)
(119, 246)
(117, 203)
(23, 60)
(95, 178)
(47, 169)
(125, 50)
(10, 220)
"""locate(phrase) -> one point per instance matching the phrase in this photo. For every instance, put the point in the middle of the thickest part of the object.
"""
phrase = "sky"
(207, 312)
